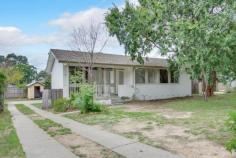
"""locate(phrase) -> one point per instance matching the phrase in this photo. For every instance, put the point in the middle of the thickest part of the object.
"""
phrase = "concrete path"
(124, 146)
(36, 143)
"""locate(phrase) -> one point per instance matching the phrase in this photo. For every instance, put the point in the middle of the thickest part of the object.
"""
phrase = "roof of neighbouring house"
(33, 83)
(67, 56)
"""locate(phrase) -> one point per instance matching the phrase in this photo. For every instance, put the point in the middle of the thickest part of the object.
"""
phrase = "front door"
(37, 93)
(119, 79)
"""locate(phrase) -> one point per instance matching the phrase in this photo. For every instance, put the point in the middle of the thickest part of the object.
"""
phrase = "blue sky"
(32, 27)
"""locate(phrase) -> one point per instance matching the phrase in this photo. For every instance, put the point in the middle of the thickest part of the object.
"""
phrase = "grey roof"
(102, 58)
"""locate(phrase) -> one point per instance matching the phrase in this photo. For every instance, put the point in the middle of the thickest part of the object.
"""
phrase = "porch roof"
(102, 58)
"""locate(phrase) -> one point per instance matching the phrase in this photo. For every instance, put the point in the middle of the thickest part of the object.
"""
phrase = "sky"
(33, 27)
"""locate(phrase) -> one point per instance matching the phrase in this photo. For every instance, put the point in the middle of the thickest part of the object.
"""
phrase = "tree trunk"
(204, 87)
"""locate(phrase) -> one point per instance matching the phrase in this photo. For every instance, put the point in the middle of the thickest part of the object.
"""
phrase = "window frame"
(166, 78)
(143, 77)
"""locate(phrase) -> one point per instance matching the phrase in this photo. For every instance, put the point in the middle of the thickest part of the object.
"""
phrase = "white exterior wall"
(158, 90)
(57, 75)
(164, 90)
(60, 78)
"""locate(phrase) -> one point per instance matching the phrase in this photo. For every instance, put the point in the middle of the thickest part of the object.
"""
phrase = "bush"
(231, 124)
(2, 88)
(61, 105)
(74, 101)
(85, 100)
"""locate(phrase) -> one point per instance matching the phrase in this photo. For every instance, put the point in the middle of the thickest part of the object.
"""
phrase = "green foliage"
(47, 82)
(231, 124)
(74, 100)
(61, 105)
(2, 83)
(17, 69)
(12, 59)
(199, 34)
(77, 77)
(47, 125)
(25, 110)
(2, 88)
(29, 73)
(85, 100)
(10, 146)
(13, 75)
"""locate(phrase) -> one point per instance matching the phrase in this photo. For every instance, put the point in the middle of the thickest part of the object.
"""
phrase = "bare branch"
(87, 40)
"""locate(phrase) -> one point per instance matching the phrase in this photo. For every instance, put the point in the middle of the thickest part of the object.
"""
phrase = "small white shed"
(34, 90)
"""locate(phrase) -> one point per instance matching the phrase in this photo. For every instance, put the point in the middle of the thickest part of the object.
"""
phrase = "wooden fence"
(49, 96)
(13, 91)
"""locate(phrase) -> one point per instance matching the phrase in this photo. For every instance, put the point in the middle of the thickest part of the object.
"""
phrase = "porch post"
(66, 81)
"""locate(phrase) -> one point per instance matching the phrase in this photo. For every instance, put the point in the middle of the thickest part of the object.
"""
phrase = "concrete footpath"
(123, 146)
(35, 142)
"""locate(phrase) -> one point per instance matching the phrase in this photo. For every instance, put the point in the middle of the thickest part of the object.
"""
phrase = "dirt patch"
(151, 106)
(83, 147)
(173, 138)
(171, 114)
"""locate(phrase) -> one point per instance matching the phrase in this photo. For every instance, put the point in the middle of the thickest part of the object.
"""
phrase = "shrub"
(2, 88)
(61, 105)
(74, 101)
(85, 100)
(231, 124)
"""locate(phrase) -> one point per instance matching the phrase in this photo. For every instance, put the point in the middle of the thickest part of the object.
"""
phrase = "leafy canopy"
(199, 34)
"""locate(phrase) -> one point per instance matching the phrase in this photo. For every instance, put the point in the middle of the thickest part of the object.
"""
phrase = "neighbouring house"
(118, 76)
(34, 90)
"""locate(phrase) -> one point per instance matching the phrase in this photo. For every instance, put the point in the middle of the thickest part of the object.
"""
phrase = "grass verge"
(51, 127)
(10, 146)
(38, 105)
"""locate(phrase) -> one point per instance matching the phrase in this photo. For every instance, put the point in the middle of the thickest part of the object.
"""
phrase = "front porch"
(133, 82)
(106, 80)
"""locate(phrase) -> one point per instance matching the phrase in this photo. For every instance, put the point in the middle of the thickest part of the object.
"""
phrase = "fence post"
(47, 103)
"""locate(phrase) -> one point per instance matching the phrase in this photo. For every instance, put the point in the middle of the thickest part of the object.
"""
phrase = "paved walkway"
(124, 146)
(36, 143)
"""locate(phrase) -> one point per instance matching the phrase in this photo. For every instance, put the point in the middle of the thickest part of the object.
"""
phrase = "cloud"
(68, 21)
(13, 37)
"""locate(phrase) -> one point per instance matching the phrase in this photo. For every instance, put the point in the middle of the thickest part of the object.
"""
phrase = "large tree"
(17, 69)
(29, 73)
(199, 34)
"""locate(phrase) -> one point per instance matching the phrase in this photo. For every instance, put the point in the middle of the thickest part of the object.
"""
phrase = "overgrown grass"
(10, 146)
(51, 127)
(207, 120)
(114, 115)
(25, 110)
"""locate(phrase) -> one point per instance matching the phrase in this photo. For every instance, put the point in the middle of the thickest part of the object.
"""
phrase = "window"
(151, 76)
(139, 76)
(121, 77)
(174, 77)
(163, 76)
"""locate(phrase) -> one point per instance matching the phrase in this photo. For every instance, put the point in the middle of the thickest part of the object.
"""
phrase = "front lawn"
(203, 128)
(10, 146)
(208, 118)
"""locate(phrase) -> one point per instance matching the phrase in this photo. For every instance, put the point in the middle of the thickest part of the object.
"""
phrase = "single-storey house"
(34, 90)
(117, 75)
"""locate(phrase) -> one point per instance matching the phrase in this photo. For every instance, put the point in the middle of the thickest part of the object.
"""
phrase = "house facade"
(118, 76)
